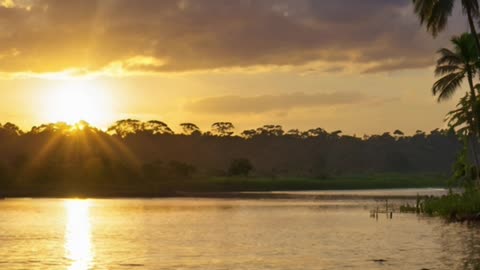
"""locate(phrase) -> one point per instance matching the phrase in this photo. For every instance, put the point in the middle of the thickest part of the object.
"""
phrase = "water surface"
(226, 234)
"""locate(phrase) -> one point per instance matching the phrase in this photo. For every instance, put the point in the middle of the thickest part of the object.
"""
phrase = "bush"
(458, 207)
(240, 167)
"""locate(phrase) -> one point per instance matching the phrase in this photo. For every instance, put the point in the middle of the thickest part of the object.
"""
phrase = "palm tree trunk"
(473, 30)
(475, 128)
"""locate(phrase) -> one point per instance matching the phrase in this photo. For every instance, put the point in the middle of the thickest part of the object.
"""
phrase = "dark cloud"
(268, 103)
(185, 35)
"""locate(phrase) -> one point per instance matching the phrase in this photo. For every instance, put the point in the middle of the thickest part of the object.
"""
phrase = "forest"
(133, 157)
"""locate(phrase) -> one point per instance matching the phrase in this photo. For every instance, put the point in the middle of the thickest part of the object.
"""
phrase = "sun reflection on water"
(78, 239)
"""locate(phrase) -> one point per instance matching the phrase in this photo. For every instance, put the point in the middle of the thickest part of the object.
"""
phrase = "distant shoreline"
(232, 187)
(280, 195)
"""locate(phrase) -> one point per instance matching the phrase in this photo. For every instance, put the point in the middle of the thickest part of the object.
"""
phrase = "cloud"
(274, 103)
(43, 36)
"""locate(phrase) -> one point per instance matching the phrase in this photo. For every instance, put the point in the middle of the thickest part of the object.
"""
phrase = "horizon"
(177, 130)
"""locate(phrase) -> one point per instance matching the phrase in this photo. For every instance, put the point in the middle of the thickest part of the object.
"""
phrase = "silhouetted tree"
(270, 130)
(59, 127)
(155, 127)
(461, 120)
(435, 13)
(398, 133)
(249, 133)
(336, 133)
(455, 66)
(223, 129)
(125, 127)
(11, 129)
(294, 133)
(190, 129)
(316, 132)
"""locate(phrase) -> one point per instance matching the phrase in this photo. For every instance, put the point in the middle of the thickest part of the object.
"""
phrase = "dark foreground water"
(226, 234)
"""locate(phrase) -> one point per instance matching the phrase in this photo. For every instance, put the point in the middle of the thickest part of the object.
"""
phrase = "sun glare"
(78, 100)
(78, 244)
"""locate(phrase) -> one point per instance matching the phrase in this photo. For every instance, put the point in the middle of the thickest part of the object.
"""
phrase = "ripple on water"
(225, 234)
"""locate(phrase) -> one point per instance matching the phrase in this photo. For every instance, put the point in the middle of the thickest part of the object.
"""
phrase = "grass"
(455, 207)
(374, 181)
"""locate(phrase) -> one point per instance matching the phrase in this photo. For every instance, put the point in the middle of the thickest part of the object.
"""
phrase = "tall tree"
(453, 67)
(461, 121)
(125, 127)
(249, 133)
(223, 129)
(435, 13)
(11, 129)
(270, 130)
(156, 127)
(190, 129)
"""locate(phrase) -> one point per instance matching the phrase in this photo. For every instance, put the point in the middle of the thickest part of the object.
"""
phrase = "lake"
(189, 233)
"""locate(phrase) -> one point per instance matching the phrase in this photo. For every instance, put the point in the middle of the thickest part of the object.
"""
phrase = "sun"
(74, 101)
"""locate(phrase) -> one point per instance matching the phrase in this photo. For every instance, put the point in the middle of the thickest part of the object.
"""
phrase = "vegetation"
(136, 158)
(373, 181)
(454, 66)
(434, 14)
(455, 207)
(240, 166)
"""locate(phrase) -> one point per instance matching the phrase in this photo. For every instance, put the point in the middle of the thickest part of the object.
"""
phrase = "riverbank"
(347, 182)
(454, 207)
(199, 187)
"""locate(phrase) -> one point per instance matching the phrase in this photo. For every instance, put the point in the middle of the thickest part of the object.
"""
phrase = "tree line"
(134, 155)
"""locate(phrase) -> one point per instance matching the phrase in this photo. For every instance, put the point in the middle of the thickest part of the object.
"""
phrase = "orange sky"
(368, 69)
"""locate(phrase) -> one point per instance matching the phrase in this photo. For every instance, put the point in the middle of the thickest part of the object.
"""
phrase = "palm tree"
(461, 121)
(434, 14)
(454, 66)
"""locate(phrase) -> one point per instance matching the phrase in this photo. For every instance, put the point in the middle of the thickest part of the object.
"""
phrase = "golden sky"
(358, 66)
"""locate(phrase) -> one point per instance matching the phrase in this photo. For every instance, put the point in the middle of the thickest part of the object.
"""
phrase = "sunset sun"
(75, 101)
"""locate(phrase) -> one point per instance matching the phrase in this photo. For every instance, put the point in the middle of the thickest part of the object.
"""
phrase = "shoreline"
(247, 195)
(228, 187)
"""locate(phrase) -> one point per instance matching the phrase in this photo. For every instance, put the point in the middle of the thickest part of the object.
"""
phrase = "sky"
(363, 67)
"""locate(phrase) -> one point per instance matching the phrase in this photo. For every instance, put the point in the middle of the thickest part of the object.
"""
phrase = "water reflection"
(226, 234)
(78, 242)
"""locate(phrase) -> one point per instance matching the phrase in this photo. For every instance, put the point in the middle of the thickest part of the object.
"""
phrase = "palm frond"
(447, 69)
(471, 5)
(446, 86)
(447, 57)
(460, 119)
(433, 13)
(438, 18)
(465, 47)
(423, 8)
(477, 87)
